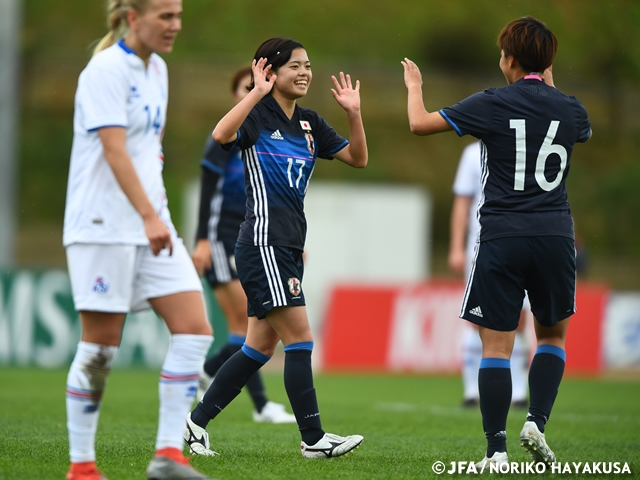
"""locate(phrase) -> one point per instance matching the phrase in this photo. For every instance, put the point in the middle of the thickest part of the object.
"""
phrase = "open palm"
(345, 94)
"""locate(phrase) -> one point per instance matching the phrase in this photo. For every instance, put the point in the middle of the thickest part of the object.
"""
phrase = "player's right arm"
(226, 130)
(459, 220)
(201, 255)
(113, 143)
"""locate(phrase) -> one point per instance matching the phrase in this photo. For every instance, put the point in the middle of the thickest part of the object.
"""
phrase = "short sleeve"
(467, 181)
(584, 128)
(249, 130)
(103, 94)
(471, 116)
(328, 141)
(215, 158)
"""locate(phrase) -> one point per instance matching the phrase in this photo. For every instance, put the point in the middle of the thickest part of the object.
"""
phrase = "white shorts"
(121, 278)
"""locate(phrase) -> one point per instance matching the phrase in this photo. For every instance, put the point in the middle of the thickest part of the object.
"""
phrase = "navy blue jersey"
(528, 130)
(223, 197)
(279, 156)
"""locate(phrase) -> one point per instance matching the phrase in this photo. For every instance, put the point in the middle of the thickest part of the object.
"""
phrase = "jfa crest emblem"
(310, 143)
(294, 286)
(101, 285)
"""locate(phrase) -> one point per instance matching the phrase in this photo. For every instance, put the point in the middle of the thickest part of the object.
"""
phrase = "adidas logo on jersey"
(476, 311)
(277, 136)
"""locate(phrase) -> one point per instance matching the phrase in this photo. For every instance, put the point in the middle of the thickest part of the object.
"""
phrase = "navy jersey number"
(548, 148)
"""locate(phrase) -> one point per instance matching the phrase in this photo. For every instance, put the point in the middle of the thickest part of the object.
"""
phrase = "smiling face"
(294, 77)
(156, 28)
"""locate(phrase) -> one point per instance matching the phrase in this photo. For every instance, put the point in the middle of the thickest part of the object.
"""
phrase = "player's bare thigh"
(233, 303)
(184, 313)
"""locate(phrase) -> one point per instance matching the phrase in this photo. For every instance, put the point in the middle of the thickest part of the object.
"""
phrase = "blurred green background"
(454, 44)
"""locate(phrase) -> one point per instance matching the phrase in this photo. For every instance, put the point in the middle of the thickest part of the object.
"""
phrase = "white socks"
(85, 386)
(519, 368)
(178, 385)
(471, 356)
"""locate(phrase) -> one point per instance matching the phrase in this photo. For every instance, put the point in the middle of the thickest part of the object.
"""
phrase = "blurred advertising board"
(415, 328)
(39, 326)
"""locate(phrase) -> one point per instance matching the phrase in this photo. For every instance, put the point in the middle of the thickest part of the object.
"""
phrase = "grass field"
(409, 422)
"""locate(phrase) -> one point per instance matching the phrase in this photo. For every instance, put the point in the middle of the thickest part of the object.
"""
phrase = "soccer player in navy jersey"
(280, 142)
(528, 130)
(222, 207)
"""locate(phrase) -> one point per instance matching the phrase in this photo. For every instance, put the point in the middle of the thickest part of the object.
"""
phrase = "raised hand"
(412, 75)
(344, 93)
(263, 77)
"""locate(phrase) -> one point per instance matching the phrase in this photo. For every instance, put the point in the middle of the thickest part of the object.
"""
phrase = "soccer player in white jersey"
(123, 252)
(467, 190)
(280, 142)
(528, 130)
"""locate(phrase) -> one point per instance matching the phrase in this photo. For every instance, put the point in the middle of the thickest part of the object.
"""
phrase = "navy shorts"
(223, 261)
(270, 276)
(504, 268)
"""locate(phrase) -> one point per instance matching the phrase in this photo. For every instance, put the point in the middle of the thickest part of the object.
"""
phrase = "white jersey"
(468, 183)
(116, 89)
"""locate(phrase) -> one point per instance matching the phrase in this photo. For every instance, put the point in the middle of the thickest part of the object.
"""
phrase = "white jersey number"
(548, 148)
(301, 166)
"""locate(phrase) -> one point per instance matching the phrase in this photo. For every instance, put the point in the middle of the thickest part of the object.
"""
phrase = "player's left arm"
(421, 122)
(355, 153)
(548, 79)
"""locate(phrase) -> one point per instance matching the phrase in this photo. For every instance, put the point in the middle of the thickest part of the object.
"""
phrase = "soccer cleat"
(273, 413)
(521, 404)
(498, 458)
(84, 471)
(197, 439)
(331, 445)
(164, 468)
(204, 382)
(470, 403)
(532, 440)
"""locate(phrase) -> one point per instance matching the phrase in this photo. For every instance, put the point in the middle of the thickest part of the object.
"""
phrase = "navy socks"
(298, 381)
(232, 376)
(494, 385)
(255, 386)
(545, 375)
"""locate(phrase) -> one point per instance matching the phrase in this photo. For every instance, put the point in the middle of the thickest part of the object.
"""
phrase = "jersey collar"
(533, 76)
(125, 47)
(275, 106)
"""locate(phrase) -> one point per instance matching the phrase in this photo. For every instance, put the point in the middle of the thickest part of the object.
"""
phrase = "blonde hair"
(117, 20)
